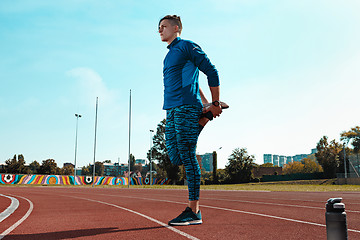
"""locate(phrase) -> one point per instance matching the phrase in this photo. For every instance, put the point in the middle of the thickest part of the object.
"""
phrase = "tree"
(49, 167)
(353, 136)
(99, 169)
(107, 161)
(311, 166)
(16, 165)
(132, 162)
(34, 167)
(139, 168)
(158, 152)
(67, 170)
(86, 171)
(328, 156)
(293, 167)
(239, 166)
(222, 175)
(267, 165)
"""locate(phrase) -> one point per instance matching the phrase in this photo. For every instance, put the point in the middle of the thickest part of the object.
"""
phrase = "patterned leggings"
(181, 133)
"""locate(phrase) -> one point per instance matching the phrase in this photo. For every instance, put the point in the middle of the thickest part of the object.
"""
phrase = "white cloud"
(89, 85)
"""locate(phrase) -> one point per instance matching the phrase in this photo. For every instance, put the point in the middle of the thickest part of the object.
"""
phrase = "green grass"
(303, 186)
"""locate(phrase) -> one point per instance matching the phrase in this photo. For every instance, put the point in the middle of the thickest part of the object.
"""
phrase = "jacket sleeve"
(200, 60)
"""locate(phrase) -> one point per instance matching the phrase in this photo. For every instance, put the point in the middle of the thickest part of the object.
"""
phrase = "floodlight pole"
(96, 112)
(151, 131)
(129, 139)
(76, 136)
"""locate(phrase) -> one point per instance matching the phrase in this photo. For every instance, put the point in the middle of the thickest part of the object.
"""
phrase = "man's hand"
(215, 110)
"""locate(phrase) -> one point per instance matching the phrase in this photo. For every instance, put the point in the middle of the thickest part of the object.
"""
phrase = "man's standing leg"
(186, 120)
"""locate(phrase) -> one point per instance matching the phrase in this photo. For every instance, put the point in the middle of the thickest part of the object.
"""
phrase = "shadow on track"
(74, 233)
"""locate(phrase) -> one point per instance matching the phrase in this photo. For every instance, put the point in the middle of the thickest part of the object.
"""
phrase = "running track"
(118, 213)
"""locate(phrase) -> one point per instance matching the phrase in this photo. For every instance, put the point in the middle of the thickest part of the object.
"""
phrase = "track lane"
(4, 203)
(218, 221)
(9, 229)
(14, 204)
(290, 218)
(63, 217)
(228, 224)
(320, 220)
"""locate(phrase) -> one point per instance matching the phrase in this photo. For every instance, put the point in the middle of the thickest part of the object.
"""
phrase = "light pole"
(151, 131)
(96, 116)
(77, 120)
(129, 169)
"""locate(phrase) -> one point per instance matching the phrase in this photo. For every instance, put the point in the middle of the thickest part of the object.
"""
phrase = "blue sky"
(289, 71)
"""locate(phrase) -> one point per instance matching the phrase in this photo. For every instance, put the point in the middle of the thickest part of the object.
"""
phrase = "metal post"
(96, 112)
(76, 136)
(345, 161)
(129, 140)
(358, 164)
(151, 131)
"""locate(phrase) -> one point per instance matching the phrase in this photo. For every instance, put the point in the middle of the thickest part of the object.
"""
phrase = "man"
(183, 102)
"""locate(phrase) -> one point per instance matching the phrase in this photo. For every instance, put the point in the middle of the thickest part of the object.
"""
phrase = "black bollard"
(336, 227)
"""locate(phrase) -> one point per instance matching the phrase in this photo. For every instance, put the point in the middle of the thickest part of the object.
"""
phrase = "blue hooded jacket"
(181, 74)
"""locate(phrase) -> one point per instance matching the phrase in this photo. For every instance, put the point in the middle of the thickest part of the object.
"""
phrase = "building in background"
(206, 162)
(114, 169)
(313, 151)
(268, 158)
(78, 171)
(280, 161)
(142, 162)
(299, 157)
(276, 160)
(289, 159)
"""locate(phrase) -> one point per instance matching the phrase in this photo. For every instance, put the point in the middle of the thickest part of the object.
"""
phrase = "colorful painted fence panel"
(79, 180)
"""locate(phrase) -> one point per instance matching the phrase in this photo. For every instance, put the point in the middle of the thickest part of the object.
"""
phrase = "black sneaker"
(209, 114)
(187, 217)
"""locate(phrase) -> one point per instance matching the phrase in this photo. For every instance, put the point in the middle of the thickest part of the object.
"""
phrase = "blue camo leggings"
(181, 133)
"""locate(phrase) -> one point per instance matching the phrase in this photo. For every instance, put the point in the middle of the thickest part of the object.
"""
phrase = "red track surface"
(109, 213)
(4, 203)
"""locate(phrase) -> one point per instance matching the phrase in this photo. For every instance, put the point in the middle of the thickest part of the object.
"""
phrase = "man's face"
(168, 32)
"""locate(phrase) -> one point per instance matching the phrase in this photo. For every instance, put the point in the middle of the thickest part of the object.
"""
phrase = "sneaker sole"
(222, 104)
(195, 222)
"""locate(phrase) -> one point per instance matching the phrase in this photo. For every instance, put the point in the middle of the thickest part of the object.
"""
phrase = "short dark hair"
(174, 20)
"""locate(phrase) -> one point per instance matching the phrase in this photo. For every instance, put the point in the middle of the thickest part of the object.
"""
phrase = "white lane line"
(15, 225)
(294, 199)
(9, 210)
(271, 216)
(274, 204)
(238, 211)
(142, 215)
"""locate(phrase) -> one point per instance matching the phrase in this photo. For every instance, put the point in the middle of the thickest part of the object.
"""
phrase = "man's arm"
(215, 94)
(199, 58)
